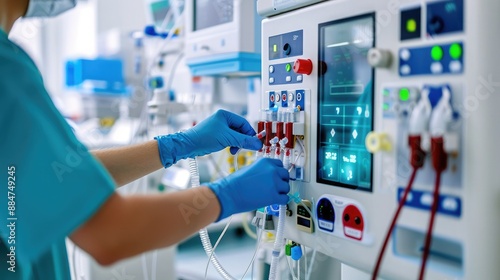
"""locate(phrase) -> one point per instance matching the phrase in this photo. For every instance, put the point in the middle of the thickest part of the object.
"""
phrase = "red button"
(303, 66)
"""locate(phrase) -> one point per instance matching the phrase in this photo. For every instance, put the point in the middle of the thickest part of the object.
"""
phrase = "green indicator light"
(288, 67)
(404, 94)
(411, 25)
(437, 53)
(456, 51)
(386, 107)
(275, 48)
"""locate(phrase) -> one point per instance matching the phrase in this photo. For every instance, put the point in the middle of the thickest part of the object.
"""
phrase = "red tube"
(269, 133)
(289, 135)
(279, 131)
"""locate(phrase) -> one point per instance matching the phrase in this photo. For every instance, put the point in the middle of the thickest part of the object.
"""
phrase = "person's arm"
(127, 164)
(129, 225)
(222, 129)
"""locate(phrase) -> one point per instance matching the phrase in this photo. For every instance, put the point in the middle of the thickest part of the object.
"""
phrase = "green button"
(386, 107)
(437, 53)
(404, 94)
(386, 92)
(456, 51)
(411, 25)
(288, 67)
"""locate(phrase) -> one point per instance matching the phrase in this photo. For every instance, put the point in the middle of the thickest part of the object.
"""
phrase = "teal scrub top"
(49, 183)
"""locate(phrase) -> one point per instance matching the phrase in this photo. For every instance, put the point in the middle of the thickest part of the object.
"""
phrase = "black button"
(346, 217)
(357, 220)
(287, 49)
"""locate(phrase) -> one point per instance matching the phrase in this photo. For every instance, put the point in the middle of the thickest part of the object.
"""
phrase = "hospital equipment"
(222, 37)
(385, 103)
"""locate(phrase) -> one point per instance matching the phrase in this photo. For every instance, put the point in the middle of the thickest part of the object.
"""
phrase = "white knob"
(379, 58)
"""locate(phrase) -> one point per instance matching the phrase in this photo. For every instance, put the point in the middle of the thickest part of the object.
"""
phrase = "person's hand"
(263, 183)
(222, 129)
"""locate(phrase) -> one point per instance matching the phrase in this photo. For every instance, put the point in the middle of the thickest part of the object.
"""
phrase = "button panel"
(431, 60)
(448, 204)
(282, 74)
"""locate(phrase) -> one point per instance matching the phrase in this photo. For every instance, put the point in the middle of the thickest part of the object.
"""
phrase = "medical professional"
(52, 187)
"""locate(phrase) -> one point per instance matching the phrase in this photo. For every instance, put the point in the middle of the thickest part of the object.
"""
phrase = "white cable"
(309, 269)
(153, 266)
(291, 269)
(298, 269)
(254, 254)
(217, 244)
(305, 258)
(144, 267)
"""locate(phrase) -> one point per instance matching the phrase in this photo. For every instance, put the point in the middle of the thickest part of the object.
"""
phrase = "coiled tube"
(278, 243)
(205, 239)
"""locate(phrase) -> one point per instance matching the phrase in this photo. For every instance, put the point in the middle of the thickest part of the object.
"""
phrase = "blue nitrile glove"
(263, 183)
(222, 129)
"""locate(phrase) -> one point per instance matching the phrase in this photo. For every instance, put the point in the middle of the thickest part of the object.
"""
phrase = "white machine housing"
(231, 45)
(421, 48)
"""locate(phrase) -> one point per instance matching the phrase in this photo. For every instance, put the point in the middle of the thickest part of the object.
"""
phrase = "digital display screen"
(345, 102)
(159, 11)
(304, 222)
(208, 13)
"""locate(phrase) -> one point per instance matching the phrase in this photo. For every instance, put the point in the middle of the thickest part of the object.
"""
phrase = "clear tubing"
(278, 243)
(205, 240)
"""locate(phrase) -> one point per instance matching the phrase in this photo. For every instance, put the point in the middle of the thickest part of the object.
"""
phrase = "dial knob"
(303, 66)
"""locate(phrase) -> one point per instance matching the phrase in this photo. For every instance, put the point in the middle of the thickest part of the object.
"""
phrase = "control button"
(299, 96)
(278, 97)
(346, 217)
(405, 70)
(271, 97)
(288, 78)
(456, 51)
(291, 96)
(288, 67)
(405, 54)
(287, 49)
(426, 199)
(379, 58)
(410, 26)
(376, 142)
(450, 204)
(455, 66)
(404, 94)
(437, 53)
(436, 68)
(271, 69)
(271, 80)
(284, 97)
(357, 220)
(435, 25)
(303, 66)
(299, 78)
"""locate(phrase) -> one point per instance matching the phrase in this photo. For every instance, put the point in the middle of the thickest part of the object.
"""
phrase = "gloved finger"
(245, 142)
(234, 150)
(283, 199)
(238, 123)
(275, 162)
(283, 174)
(283, 188)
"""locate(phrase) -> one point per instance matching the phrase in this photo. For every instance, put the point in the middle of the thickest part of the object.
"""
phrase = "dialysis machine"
(369, 94)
